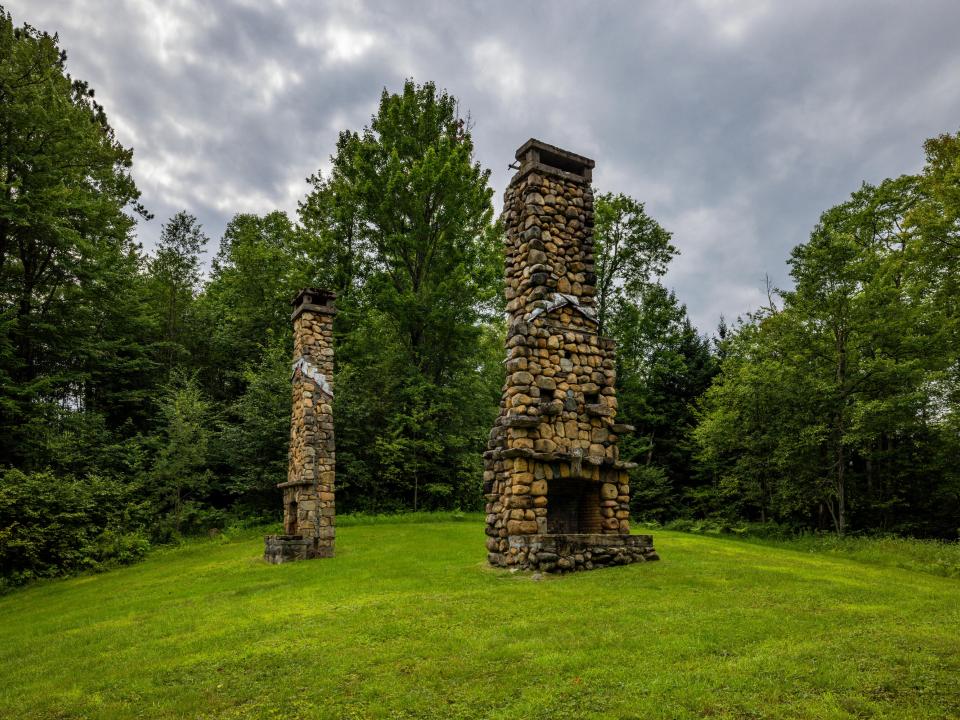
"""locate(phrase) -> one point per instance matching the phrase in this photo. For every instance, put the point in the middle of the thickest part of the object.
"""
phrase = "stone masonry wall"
(552, 467)
(308, 493)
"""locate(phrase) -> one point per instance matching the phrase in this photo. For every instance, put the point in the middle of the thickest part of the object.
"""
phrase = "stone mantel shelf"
(593, 538)
(294, 483)
(558, 457)
(532, 421)
(521, 421)
(598, 410)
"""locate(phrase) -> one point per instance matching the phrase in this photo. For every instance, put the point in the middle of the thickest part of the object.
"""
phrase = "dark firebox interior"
(290, 524)
(573, 507)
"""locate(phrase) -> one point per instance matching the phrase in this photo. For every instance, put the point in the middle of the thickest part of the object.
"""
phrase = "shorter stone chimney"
(308, 493)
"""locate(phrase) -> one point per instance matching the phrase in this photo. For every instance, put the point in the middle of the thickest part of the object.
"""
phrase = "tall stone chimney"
(558, 496)
(308, 493)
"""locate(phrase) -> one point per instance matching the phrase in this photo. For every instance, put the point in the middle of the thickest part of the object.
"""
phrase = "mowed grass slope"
(407, 621)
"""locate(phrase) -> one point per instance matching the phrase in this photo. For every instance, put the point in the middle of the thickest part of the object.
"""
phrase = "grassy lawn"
(408, 621)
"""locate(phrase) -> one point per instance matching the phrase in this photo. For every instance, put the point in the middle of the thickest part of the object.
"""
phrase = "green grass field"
(408, 622)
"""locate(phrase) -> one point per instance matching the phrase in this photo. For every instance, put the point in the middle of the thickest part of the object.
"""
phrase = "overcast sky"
(737, 123)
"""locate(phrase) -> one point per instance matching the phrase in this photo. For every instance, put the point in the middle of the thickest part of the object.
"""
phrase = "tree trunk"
(841, 503)
(841, 377)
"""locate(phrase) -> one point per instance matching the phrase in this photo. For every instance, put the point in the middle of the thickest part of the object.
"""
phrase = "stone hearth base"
(286, 548)
(568, 553)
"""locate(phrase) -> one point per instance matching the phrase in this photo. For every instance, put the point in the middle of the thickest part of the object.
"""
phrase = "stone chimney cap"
(313, 296)
(315, 300)
(536, 154)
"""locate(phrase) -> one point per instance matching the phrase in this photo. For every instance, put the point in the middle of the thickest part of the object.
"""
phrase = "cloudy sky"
(737, 123)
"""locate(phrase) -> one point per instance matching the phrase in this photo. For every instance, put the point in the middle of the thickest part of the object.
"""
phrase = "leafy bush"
(652, 497)
(418, 517)
(52, 525)
(934, 557)
(721, 526)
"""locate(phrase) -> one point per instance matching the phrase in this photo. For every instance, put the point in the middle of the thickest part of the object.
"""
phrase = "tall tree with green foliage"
(663, 366)
(424, 210)
(631, 251)
(67, 208)
(841, 402)
(180, 477)
(260, 266)
(249, 449)
(662, 363)
(405, 218)
(175, 278)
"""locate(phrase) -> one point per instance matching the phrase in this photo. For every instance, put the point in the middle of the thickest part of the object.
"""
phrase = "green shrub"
(651, 499)
(52, 525)
(420, 516)
(681, 525)
(934, 557)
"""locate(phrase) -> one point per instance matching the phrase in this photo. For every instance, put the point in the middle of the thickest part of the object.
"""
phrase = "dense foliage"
(839, 408)
(663, 364)
(132, 371)
(67, 265)
(142, 398)
(406, 221)
(50, 524)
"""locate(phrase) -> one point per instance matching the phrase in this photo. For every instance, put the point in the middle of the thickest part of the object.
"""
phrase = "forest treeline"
(143, 398)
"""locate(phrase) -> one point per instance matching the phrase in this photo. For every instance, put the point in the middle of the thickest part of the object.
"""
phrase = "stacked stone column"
(308, 493)
(557, 493)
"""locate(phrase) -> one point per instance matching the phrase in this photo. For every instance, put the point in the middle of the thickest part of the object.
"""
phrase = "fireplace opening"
(573, 507)
(290, 520)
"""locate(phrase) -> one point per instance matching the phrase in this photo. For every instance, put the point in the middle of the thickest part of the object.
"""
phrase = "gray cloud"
(736, 122)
